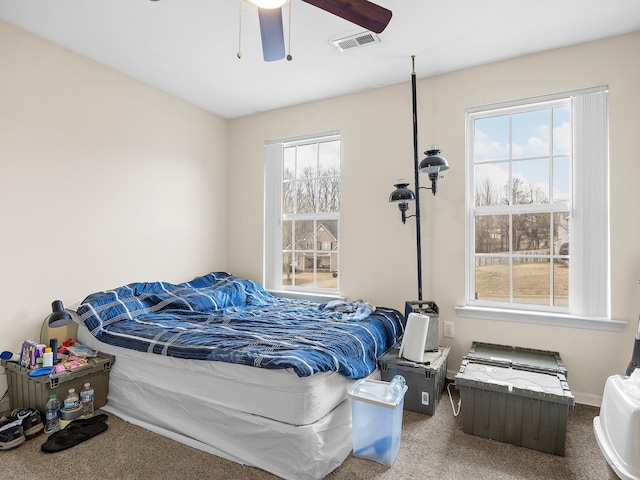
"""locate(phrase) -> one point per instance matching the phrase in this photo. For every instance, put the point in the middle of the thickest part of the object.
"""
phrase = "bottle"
(86, 400)
(72, 401)
(396, 387)
(47, 358)
(52, 416)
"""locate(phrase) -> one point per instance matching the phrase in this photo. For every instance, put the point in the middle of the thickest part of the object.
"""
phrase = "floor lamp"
(432, 165)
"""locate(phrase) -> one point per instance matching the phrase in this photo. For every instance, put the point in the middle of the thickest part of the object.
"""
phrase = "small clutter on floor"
(376, 409)
(26, 423)
(76, 432)
(71, 408)
(66, 391)
(52, 416)
(87, 395)
(16, 428)
(35, 391)
(11, 434)
(515, 395)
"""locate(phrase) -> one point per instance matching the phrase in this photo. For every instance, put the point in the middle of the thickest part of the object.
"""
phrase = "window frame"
(510, 209)
(273, 219)
(589, 281)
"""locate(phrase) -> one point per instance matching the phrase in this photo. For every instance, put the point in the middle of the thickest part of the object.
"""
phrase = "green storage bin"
(34, 392)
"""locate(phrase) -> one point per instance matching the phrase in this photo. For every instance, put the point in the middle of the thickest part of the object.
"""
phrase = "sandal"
(70, 437)
(88, 421)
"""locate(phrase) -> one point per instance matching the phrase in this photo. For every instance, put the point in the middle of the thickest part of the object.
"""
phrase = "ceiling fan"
(364, 13)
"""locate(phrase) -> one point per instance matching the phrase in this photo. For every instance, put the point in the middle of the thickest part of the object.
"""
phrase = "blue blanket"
(224, 318)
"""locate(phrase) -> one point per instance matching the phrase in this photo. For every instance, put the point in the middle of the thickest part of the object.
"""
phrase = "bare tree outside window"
(521, 231)
(311, 206)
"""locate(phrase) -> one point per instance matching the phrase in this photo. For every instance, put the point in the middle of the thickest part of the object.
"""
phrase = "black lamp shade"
(60, 317)
(433, 163)
(401, 193)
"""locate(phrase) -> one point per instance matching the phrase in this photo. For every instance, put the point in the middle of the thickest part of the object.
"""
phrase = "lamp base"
(63, 333)
(426, 307)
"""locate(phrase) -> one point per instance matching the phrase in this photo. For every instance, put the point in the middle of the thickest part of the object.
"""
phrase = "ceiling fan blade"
(361, 12)
(272, 33)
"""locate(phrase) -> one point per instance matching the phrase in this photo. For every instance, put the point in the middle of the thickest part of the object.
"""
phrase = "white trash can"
(376, 421)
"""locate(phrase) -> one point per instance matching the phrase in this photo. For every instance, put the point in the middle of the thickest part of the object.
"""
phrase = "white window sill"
(553, 319)
(311, 296)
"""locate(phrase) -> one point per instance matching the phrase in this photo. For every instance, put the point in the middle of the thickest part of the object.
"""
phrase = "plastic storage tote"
(34, 392)
(425, 381)
(376, 421)
(514, 405)
(543, 361)
(617, 428)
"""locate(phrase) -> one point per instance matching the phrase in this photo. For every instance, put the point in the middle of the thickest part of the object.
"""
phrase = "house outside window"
(537, 230)
(302, 214)
(522, 190)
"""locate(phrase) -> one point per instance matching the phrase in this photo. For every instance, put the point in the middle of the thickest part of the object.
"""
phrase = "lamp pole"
(432, 165)
(417, 180)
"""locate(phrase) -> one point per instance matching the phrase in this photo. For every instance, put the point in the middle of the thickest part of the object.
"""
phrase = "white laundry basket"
(617, 428)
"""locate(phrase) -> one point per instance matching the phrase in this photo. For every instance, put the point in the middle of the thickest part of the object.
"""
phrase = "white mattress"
(295, 452)
(276, 394)
(223, 409)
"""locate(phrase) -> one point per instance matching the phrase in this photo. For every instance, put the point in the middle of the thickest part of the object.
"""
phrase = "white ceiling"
(188, 47)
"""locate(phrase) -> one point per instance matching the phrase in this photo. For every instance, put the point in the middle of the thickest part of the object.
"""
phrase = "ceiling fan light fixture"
(268, 3)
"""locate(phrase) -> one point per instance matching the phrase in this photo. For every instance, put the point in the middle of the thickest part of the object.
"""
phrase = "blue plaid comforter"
(224, 318)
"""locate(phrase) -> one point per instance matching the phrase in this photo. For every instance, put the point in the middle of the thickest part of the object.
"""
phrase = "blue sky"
(327, 154)
(531, 142)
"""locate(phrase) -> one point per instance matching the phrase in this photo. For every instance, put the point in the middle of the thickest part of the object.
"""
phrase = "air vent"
(353, 41)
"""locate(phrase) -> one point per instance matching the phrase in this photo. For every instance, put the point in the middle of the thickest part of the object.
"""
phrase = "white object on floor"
(617, 428)
(234, 411)
(377, 420)
(420, 336)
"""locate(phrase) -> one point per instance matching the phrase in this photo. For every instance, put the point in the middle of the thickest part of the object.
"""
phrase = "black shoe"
(31, 420)
(11, 433)
(72, 435)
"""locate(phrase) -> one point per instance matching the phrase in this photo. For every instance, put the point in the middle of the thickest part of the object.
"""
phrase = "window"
(522, 187)
(537, 208)
(302, 214)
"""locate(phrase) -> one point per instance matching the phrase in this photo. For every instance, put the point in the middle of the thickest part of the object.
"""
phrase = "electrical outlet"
(449, 331)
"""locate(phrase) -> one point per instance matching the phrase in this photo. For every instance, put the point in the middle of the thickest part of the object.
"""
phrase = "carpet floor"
(432, 447)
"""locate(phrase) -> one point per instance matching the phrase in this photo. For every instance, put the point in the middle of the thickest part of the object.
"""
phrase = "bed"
(222, 365)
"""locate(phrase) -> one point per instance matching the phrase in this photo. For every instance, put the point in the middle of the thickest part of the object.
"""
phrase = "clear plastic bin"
(376, 421)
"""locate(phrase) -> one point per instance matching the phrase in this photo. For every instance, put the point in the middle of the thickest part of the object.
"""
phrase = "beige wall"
(138, 179)
(103, 181)
(377, 150)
